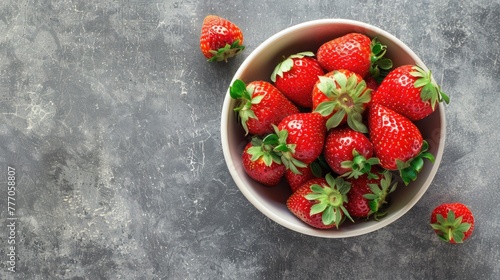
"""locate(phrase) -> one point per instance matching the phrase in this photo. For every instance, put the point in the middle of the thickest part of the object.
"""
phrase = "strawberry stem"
(380, 65)
(287, 64)
(226, 52)
(347, 98)
(240, 91)
(378, 196)
(359, 165)
(430, 90)
(450, 228)
(275, 144)
(330, 200)
(261, 149)
(409, 170)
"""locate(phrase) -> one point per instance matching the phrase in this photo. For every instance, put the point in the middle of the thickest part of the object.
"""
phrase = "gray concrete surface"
(110, 116)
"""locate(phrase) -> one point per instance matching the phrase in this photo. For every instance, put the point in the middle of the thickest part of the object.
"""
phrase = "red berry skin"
(295, 181)
(301, 207)
(216, 33)
(357, 205)
(460, 210)
(270, 110)
(397, 92)
(394, 137)
(260, 172)
(307, 131)
(339, 145)
(371, 83)
(297, 83)
(351, 51)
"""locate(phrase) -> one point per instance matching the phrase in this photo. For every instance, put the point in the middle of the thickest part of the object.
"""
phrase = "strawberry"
(452, 222)
(296, 76)
(320, 202)
(300, 139)
(220, 39)
(341, 96)
(397, 142)
(368, 196)
(261, 105)
(348, 152)
(311, 171)
(296, 180)
(410, 91)
(261, 163)
(355, 52)
(371, 83)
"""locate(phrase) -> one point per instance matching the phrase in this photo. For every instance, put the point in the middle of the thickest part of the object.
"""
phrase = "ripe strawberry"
(220, 39)
(397, 142)
(452, 222)
(261, 105)
(301, 137)
(410, 91)
(341, 96)
(261, 163)
(368, 196)
(296, 180)
(296, 76)
(355, 52)
(371, 83)
(320, 202)
(348, 152)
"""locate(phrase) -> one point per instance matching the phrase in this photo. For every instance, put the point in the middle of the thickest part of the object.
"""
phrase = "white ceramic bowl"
(259, 65)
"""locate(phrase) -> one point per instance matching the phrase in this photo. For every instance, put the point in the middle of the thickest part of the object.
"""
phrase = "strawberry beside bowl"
(259, 65)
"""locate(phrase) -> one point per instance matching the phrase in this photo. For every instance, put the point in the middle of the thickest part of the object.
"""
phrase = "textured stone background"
(110, 115)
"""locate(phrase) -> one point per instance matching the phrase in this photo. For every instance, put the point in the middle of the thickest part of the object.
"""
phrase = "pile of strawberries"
(334, 124)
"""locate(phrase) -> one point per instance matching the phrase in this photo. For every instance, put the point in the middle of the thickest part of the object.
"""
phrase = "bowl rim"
(274, 216)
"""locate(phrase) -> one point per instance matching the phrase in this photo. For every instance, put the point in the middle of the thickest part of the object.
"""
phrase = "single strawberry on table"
(296, 76)
(349, 152)
(220, 39)
(368, 196)
(452, 222)
(397, 142)
(320, 202)
(410, 91)
(355, 52)
(261, 163)
(341, 96)
(260, 106)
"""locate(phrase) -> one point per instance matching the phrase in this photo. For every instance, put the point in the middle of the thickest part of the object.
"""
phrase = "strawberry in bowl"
(352, 157)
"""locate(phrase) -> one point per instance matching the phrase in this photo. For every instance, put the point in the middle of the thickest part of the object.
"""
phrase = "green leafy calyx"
(240, 91)
(451, 227)
(284, 150)
(263, 149)
(359, 165)
(409, 170)
(377, 199)
(346, 97)
(330, 200)
(287, 64)
(226, 52)
(430, 91)
(380, 66)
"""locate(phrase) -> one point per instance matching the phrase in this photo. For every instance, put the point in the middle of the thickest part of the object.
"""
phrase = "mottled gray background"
(110, 115)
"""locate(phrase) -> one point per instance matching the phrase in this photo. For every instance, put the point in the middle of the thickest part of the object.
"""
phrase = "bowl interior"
(259, 65)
